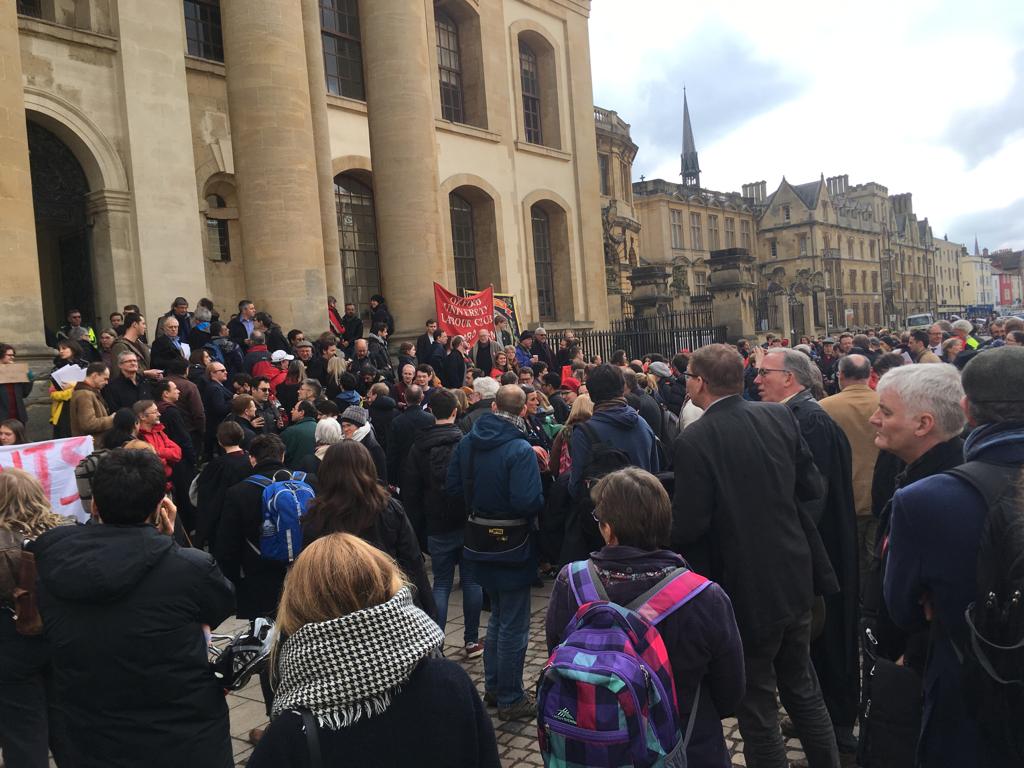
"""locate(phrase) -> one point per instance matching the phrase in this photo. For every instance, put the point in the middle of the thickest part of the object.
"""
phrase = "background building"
(826, 254)
(284, 151)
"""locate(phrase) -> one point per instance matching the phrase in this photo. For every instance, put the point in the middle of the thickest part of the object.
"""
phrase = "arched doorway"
(59, 187)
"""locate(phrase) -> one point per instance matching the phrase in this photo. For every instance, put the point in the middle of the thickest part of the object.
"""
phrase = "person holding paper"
(62, 386)
(89, 415)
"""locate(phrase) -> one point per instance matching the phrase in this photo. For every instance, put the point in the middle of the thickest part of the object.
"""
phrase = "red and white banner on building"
(464, 315)
(53, 463)
(1006, 290)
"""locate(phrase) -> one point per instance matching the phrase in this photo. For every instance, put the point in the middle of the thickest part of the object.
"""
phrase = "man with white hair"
(484, 390)
(789, 377)
(938, 525)
(964, 329)
(918, 420)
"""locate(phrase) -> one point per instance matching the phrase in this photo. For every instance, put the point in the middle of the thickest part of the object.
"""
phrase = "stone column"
(322, 148)
(275, 161)
(732, 284)
(403, 148)
(21, 307)
(159, 155)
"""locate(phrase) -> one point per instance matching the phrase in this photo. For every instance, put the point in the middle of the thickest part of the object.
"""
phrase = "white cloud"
(879, 90)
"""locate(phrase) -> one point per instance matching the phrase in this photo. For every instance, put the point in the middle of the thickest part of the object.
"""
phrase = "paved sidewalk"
(517, 741)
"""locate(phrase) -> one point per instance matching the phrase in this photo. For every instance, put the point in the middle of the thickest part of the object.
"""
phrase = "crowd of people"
(824, 502)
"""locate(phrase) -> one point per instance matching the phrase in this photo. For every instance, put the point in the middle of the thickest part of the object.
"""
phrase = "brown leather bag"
(18, 583)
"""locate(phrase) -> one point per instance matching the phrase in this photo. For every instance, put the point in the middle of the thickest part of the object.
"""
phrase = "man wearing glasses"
(266, 408)
(788, 376)
(217, 402)
(741, 472)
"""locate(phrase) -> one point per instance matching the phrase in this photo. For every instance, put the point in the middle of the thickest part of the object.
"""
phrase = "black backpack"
(604, 459)
(993, 656)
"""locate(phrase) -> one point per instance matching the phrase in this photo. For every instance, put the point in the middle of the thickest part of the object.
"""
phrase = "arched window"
(529, 72)
(449, 67)
(543, 263)
(203, 30)
(217, 229)
(463, 242)
(357, 233)
(343, 49)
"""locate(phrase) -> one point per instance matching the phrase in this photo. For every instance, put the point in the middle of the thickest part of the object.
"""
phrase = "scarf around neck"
(351, 667)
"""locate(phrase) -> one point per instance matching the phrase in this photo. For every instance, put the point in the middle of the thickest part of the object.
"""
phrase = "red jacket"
(168, 450)
(274, 374)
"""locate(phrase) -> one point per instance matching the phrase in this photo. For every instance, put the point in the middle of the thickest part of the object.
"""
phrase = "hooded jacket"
(124, 609)
(621, 427)
(506, 484)
(377, 349)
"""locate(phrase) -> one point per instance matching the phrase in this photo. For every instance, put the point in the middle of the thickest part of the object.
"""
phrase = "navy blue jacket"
(933, 549)
(506, 485)
(622, 428)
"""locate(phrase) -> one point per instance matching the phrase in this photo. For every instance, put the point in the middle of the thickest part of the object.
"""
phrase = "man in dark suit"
(425, 342)
(242, 326)
(787, 376)
(741, 472)
(167, 347)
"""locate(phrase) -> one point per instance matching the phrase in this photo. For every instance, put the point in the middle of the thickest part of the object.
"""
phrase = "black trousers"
(31, 723)
(782, 661)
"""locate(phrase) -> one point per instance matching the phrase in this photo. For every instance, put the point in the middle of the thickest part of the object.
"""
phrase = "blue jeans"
(445, 552)
(508, 634)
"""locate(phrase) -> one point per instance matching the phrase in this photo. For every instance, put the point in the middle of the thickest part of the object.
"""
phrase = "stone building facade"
(621, 229)
(285, 150)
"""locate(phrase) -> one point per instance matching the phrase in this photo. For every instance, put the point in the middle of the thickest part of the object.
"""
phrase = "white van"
(920, 321)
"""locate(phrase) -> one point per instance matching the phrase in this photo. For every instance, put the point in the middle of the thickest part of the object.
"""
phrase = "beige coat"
(88, 412)
(927, 357)
(851, 409)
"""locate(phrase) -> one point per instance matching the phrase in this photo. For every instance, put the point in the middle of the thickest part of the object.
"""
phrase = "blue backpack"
(285, 501)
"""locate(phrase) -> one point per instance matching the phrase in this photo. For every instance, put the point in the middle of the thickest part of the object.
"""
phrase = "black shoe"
(788, 729)
(845, 739)
(524, 709)
(490, 698)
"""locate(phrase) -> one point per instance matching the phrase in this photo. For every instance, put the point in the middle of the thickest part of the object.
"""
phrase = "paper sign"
(52, 463)
(464, 316)
(14, 373)
(68, 376)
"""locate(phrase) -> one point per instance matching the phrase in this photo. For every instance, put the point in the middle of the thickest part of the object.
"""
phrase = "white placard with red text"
(53, 463)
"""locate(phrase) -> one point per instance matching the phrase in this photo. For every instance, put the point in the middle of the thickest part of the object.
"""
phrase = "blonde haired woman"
(24, 660)
(358, 658)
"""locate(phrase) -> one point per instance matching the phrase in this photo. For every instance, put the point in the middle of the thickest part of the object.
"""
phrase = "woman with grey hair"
(328, 432)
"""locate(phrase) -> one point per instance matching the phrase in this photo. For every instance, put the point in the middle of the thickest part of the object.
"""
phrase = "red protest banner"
(464, 315)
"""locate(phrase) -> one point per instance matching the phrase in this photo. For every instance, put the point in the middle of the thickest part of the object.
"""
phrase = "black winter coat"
(378, 353)
(392, 533)
(648, 409)
(124, 608)
(380, 460)
(430, 509)
(353, 329)
(834, 652)
(120, 392)
(382, 315)
(437, 719)
(454, 373)
(758, 548)
(260, 586)
(383, 411)
(403, 434)
(219, 475)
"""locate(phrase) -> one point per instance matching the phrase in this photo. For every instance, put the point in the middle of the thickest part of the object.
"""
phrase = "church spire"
(976, 251)
(690, 166)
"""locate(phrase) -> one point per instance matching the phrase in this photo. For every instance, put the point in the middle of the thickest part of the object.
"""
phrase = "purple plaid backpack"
(607, 697)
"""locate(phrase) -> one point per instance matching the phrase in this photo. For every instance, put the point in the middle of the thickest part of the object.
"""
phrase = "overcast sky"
(922, 96)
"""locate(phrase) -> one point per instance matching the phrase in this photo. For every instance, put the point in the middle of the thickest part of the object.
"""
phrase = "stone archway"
(63, 237)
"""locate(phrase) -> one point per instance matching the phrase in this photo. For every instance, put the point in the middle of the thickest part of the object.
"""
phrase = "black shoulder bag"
(492, 540)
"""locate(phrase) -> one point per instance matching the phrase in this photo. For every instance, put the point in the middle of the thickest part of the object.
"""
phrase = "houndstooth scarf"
(351, 667)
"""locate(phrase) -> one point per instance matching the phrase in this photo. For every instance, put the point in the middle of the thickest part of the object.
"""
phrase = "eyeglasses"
(762, 371)
(688, 375)
(264, 389)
